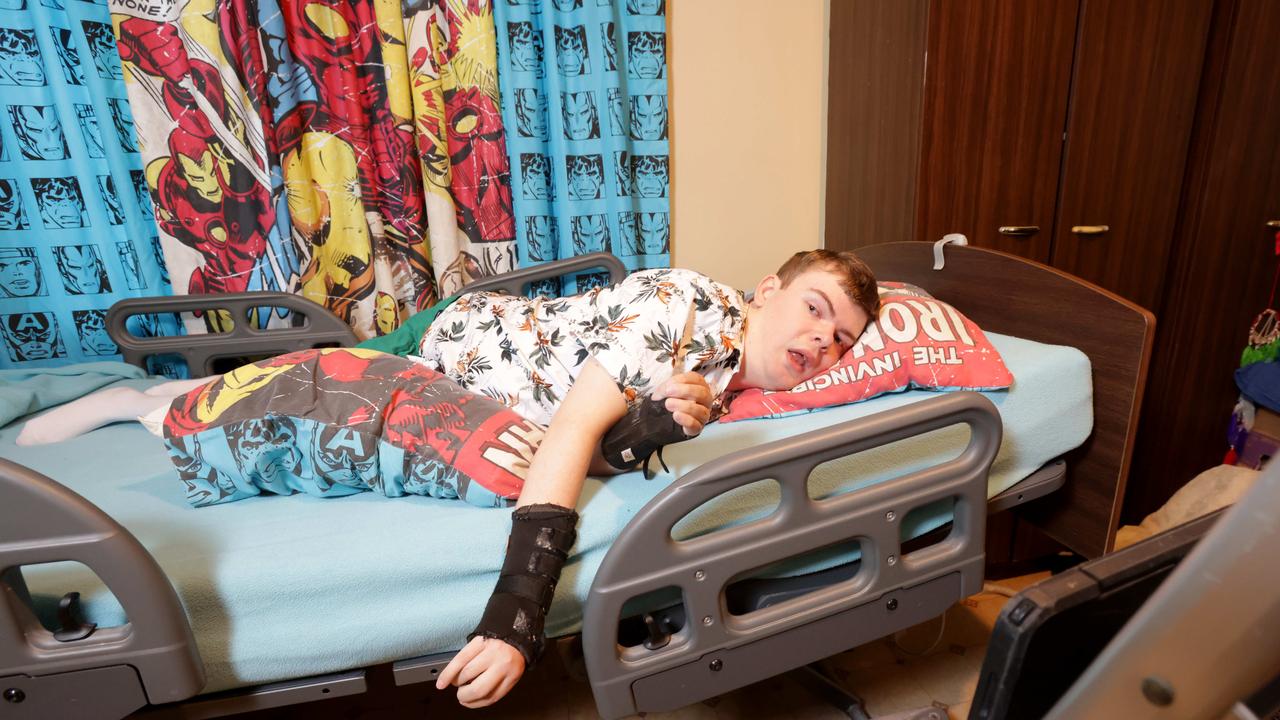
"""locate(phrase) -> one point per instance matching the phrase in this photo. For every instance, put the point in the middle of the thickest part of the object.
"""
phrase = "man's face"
(646, 54)
(60, 204)
(20, 57)
(536, 178)
(81, 268)
(655, 232)
(526, 47)
(590, 233)
(571, 50)
(799, 331)
(19, 274)
(94, 339)
(650, 175)
(649, 117)
(580, 121)
(39, 132)
(585, 177)
(268, 448)
(531, 113)
(540, 231)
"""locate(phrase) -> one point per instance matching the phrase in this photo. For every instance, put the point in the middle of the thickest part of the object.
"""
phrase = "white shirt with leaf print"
(652, 325)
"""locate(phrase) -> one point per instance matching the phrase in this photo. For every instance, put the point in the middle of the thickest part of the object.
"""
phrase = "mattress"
(286, 587)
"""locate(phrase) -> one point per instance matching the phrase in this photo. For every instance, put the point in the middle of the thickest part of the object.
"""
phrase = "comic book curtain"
(345, 149)
(584, 96)
(76, 232)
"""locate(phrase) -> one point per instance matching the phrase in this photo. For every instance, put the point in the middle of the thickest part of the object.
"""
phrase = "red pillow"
(917, 342)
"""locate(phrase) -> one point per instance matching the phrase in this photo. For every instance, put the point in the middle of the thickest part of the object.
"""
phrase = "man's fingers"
(688, 385)
(478, 692)
(695, 410)
(692, 393)
(459, 661)
(692, 426)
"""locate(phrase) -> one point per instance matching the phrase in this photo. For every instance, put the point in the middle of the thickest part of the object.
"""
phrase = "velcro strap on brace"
(541, 536)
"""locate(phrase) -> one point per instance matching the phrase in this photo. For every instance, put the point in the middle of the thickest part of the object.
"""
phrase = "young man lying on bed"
(574, 365)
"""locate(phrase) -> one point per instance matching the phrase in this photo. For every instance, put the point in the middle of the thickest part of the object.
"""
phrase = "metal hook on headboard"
(955, 238)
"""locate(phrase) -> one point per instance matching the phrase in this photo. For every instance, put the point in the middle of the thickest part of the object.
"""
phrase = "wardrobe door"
(1133, 100)
(1224, 259)
(996, 88)
(876, 82)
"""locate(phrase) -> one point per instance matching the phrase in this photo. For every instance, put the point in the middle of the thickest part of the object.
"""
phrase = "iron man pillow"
(917, 342)
(339, 421)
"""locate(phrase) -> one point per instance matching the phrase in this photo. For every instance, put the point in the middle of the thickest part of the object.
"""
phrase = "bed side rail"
(515, 282)
(111, 671)
(716, 651)
(319, 328)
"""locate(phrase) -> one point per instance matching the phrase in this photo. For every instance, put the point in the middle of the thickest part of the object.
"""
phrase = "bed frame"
(729, 626)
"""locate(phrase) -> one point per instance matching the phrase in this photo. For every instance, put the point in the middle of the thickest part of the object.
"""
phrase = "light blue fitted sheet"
(285, 587)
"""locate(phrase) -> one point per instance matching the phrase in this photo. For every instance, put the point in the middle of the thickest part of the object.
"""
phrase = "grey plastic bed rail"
(320, 328)
(111, 671)
(514, 282)
(716, 651)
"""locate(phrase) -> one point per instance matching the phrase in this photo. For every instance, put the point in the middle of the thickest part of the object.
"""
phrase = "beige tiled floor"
(934, 664)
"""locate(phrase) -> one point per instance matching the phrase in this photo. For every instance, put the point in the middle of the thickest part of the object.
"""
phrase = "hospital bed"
(771, 544)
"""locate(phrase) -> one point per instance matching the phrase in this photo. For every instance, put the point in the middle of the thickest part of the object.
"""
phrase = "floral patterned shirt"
(652, 325)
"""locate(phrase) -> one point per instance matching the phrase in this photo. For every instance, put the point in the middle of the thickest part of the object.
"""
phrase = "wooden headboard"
(1010, 295)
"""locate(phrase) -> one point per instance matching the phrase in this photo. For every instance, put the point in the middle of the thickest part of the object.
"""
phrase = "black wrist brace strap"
(541, 536)
(646, 428)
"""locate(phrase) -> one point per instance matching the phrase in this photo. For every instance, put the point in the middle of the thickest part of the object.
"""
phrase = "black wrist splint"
(541, 536)
(646, 428)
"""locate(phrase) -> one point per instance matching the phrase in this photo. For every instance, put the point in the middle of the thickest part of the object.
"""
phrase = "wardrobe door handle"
(1090, 229)
(1018, 230)
(1273, 224)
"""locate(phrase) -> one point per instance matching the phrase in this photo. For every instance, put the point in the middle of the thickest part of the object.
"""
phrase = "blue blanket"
(27, 391)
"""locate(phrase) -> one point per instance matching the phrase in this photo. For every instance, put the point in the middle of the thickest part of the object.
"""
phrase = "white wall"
(748, 133)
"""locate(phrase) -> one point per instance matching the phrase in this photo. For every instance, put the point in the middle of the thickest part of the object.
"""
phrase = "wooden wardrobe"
(1134, 143)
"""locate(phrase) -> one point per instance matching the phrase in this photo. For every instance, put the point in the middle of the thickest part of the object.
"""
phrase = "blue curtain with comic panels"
(76, 230)
(584, 100)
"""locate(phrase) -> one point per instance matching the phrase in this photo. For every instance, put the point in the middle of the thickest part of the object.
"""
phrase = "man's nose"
(823, 333)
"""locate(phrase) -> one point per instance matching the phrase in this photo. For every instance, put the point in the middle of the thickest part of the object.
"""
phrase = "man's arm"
(486, 668)
(559, 468)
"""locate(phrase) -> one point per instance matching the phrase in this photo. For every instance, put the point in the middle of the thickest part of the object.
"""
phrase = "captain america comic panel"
(31, 336)
(12, 214)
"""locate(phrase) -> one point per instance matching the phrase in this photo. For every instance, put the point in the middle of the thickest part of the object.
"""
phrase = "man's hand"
(484, 671)
(688, 398)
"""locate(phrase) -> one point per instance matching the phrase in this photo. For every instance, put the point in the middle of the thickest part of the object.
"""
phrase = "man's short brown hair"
(855, 277)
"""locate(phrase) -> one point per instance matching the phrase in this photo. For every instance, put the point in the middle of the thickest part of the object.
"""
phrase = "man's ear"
(767, 286)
